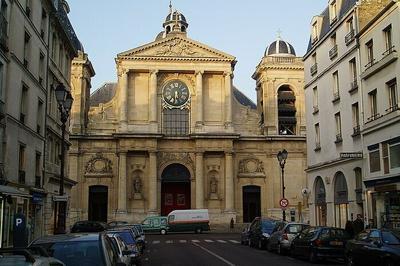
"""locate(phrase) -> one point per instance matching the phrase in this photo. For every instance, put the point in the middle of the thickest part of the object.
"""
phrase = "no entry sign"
(284, 203)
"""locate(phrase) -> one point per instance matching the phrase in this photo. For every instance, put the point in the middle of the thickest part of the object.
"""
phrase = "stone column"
(229, 189)
(153, 96)
(228, 96)
(124, 98)
(199, 181)
(122, 182)
(152, 198)
(199, 92)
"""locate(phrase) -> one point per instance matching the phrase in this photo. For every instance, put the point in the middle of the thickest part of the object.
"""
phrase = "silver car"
(120, 248)
(282, 239)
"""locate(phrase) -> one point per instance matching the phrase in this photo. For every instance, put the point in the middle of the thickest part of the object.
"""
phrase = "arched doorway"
(286, 111)
(320, 202)
(175, 188)
(98, 202)
(341, 200)
(251, 203)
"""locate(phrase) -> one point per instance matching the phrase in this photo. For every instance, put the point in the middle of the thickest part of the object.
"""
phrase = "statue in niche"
(137, 187)
(213, 187)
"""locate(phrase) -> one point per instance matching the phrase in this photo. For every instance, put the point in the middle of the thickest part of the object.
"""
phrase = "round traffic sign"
(284, 203)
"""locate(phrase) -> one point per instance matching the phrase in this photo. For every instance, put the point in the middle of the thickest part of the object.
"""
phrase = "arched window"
(286, 111)
(183, 29)
(341, 200)
(320, 202)
(168, 29)
(175, 122)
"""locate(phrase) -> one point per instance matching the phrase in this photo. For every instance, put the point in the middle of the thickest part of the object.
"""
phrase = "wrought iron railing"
(333, 52)
(314, 69)
(349, 37)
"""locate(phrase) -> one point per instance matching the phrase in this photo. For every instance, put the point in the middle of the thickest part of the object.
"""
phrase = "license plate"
(336, 243)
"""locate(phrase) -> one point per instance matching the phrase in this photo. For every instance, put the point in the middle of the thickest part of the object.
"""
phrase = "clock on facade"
(176, 93)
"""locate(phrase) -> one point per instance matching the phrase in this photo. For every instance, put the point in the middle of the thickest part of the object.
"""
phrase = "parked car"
(88, 227)
(117, 223)
(317, 243)
(261, 230)
(142, 234)
(83, 249)
(281, 240)
(120, 248)
(129, 239)
(155, 224)
(244, 236)
(189, 220)
(27, 257)
(374, 247)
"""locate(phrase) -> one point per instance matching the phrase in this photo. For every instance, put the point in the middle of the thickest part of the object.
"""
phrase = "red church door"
(175, 189)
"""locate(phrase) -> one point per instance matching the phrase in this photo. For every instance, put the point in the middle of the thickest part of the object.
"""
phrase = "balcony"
(393, 108)
(356, 131)
(388, 51)
(333, 52)
(336, 97)
(21, 177)
(314, 69)
(315, 110)
(3, 33)
(349, 38)
(373, 67)
(333, 20)
(353, 86)
(314, 40)
(339, 138)
(373, 117)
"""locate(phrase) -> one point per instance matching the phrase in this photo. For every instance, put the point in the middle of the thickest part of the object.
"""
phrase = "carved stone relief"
(137, 185)
(99, 166)
(251, 167)
(177, 47)
(166, 157)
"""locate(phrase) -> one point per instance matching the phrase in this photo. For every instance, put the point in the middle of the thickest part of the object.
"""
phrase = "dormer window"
(314, 34)
(333, 11)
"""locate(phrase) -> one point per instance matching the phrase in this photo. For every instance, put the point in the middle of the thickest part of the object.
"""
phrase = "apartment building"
(333, 111)
(379, 40)
(37, 45)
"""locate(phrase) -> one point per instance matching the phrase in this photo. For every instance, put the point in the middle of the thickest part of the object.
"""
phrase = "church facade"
(174, 133)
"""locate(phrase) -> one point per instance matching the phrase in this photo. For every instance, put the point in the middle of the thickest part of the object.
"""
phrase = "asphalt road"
(210, 249)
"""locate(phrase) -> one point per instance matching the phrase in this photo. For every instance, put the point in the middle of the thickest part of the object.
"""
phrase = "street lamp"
(64, 100)
(282, 156)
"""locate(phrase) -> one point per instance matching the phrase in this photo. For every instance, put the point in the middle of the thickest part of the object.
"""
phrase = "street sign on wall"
(284, 203)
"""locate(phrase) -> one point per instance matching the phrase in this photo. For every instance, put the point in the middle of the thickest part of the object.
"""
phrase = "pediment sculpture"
(251, 167)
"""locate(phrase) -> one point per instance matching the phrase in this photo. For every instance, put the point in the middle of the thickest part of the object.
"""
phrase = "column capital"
(229, 153)
(228, 74)
(199, 153)
(122, 153)
(152, 152)
(199, 72)
(153, 71)
(122, 71)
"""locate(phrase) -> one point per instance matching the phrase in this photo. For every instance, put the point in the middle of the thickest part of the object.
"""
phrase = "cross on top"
(279, 33)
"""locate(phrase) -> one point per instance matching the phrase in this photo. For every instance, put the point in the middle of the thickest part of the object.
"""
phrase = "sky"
(240, 28)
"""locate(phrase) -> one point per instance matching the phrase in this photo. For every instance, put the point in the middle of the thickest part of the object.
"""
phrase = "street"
(210, 249)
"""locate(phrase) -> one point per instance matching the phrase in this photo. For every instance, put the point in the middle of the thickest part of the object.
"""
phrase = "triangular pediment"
(176, 47)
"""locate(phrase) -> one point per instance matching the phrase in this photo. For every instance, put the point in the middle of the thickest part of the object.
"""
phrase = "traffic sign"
(284, 203)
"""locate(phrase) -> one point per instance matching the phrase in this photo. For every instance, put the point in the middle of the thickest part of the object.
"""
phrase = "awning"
(382, 181)
(12, 191)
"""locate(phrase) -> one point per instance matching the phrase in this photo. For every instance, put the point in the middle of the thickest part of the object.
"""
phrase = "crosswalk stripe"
(234, 241)
(156, 242)
(209, 241)
(169, 241)
(182, 241)
(195, 241)
(221, 241)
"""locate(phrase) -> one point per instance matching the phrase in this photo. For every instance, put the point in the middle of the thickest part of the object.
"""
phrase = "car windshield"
(295, 228)
(127, 237)
(391, 238)
(268, 226)
(77, 252)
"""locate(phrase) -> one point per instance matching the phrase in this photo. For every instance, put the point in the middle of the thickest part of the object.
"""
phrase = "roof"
(67, 238)
(326, 26)
(280, 47)
(243, 99)
(103, 94)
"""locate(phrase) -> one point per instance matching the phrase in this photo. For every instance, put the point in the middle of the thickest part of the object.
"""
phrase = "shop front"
(12, 201)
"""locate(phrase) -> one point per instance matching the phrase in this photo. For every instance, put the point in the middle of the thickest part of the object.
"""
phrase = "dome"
(181, 17)
(280, 48)
(160, 36)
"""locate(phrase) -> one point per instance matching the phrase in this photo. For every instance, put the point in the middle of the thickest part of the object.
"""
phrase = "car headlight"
(266, 235)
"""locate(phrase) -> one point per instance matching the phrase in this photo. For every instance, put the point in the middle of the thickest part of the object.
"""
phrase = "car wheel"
(312, 257)
(241, 242)
(163, 231)
(269, 247)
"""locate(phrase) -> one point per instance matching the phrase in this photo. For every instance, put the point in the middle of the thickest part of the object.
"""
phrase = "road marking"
(156, 242)
(209, 241)
(169, 241)
(195, 241)
(215, 255)
(234, 241)
(221, 241)
(182, 241)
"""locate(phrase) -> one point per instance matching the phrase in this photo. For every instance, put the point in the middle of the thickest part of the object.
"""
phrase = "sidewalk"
(225, 228)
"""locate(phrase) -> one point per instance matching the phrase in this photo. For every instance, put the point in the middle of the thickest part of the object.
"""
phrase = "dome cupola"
(280, 48)
(175, 22)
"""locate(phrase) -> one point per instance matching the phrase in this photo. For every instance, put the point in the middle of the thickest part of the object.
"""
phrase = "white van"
(189, 220)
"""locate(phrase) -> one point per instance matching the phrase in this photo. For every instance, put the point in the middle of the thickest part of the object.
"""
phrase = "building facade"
(379, 40)
(32, 63)
(333, 110)
(174, 133)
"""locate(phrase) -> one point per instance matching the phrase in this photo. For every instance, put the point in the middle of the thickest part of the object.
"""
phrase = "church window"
(176, 122)
(168, 29)
(286, 111)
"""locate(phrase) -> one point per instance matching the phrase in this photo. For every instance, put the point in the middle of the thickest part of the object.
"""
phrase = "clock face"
(176, 93)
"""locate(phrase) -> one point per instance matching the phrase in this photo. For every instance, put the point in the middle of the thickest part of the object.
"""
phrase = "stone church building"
(174, 133)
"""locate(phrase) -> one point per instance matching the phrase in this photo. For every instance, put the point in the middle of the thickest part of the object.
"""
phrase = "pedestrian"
(232, 224)
(349, 228)
(358, 224)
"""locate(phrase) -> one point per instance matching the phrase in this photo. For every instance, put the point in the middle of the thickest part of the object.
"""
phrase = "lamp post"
(282, 156)
(64, 100)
